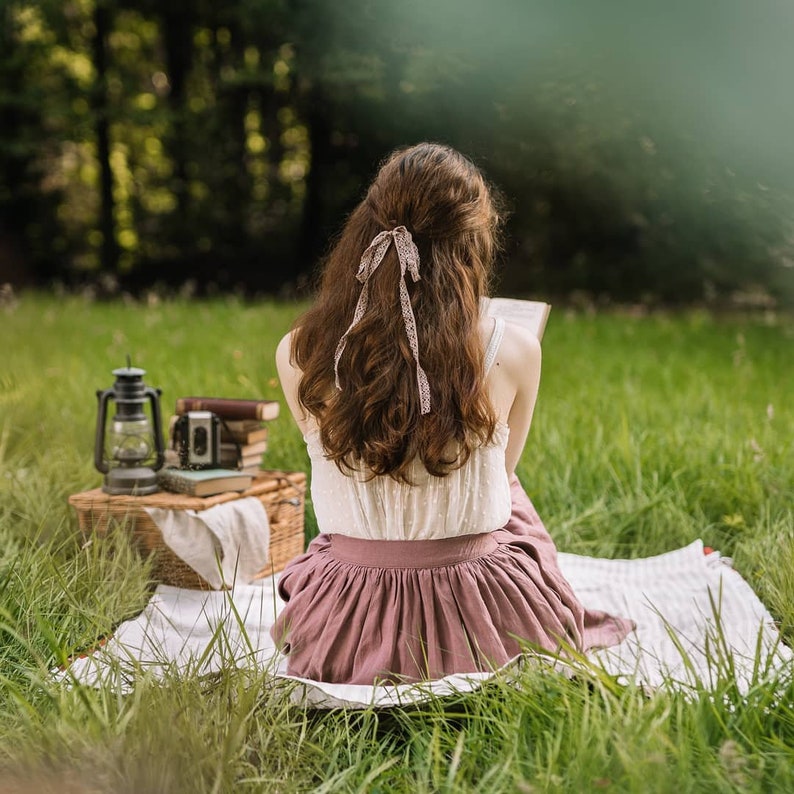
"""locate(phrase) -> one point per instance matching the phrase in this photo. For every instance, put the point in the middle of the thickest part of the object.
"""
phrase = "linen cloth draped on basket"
(363, 611)
(223, 544)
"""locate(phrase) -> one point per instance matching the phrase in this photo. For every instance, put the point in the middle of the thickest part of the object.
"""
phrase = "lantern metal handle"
(99, 443)
(154, 400)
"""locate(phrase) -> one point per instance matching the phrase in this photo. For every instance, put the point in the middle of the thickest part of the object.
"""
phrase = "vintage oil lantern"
(130, 450)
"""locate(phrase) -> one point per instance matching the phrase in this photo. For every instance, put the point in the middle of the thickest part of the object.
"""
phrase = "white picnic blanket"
(694, 615)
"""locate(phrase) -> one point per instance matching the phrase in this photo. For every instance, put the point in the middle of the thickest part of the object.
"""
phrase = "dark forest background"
(644, 149)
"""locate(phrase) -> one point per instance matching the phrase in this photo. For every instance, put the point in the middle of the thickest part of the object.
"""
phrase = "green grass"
(649, 432)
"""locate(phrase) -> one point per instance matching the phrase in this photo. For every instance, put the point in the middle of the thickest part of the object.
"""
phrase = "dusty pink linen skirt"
(375, 611)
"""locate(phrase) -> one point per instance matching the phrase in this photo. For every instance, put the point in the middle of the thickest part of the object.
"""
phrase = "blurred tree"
(27, 209)
(103, 21)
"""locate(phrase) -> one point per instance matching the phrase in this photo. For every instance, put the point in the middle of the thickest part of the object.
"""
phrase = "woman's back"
(471, 499)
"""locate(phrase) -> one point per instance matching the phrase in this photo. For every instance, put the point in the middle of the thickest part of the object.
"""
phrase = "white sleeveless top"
(474, 498)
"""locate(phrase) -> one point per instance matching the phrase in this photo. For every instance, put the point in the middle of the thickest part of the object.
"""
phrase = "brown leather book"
(227, 408)
(244, 437)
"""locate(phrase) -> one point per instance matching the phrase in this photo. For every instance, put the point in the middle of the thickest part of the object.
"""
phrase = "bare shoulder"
(514, 382)
(284, 352)
(288, 372)
(520, 348)
(290, 376)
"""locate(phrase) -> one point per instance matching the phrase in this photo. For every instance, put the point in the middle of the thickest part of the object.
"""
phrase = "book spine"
(175, 483)
(241, 463)
(230, 409)
(250, 460)
(243, 449)
(243, 425)
(243, 438)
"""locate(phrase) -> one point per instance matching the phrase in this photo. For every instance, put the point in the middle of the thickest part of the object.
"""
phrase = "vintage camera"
(197, 438)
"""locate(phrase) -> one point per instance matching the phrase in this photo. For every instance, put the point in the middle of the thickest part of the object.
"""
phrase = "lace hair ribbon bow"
(408, 255)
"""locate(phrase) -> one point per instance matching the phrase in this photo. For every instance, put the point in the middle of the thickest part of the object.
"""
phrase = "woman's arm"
(290, 376)
(518, 367)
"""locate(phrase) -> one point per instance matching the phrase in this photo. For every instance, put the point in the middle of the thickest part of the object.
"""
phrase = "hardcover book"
(227, 408)
(232, 460)
(203, 482)
(252, 468)
(256, 434)
(243, 425)
(243, 450)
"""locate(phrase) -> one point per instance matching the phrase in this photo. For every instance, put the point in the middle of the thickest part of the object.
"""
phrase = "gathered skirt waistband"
(411, 553)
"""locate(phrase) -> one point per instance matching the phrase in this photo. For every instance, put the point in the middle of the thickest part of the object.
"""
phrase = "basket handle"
(294, 501)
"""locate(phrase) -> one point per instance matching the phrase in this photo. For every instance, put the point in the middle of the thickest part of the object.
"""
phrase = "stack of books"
(243, 429)
(243, 444)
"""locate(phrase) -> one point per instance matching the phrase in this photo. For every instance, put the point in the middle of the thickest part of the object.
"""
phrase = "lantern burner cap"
(129, 372)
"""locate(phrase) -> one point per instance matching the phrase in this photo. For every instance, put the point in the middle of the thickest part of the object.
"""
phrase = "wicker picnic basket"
(281, 493)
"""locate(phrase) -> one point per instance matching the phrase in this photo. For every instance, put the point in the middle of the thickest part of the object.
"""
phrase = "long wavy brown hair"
(373, 422)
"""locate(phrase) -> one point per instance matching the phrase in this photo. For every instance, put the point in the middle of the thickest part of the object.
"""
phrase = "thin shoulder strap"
(494, 342)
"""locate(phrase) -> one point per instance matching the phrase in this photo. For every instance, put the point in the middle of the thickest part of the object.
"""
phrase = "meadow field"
(651, 431)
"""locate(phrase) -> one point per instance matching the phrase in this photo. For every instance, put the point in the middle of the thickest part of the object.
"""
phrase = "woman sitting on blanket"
(415, 407)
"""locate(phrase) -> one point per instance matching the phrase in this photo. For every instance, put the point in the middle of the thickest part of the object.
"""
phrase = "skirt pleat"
(366, 611)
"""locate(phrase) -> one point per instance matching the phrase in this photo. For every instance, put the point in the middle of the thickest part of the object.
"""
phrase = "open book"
(531, 314)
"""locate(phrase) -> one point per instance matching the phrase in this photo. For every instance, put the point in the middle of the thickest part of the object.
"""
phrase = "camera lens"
(200, 440)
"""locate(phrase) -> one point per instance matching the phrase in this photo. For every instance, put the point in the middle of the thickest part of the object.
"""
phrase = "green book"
(203, 482)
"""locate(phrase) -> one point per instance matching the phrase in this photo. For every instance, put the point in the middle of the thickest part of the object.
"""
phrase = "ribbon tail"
(423, 385)
(424, 390)
(340, 348)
